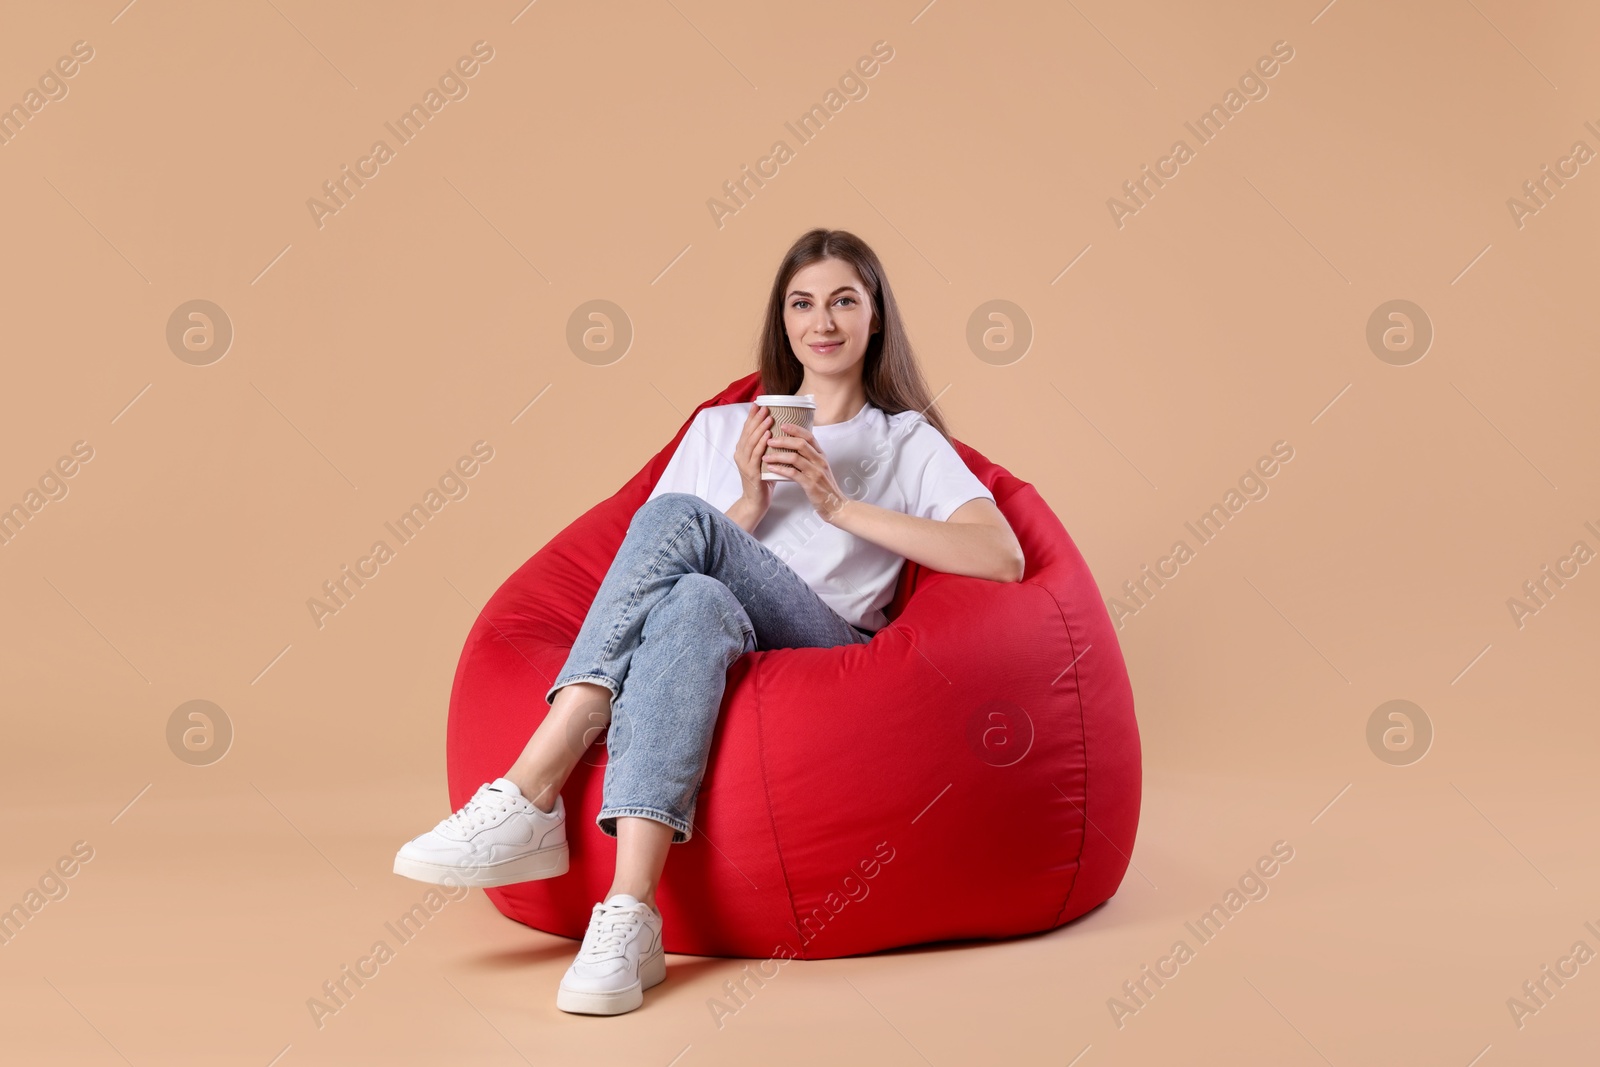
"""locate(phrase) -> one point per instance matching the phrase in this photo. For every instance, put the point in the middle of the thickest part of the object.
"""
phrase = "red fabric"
(848, 805)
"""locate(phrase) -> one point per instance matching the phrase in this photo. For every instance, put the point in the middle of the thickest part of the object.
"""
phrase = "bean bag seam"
(1083, 839)
(766, 789)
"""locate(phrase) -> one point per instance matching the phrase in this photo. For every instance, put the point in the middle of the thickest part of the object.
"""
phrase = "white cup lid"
(767, 400)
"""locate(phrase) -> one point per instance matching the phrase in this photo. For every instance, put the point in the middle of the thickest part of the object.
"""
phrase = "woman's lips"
(829, 347)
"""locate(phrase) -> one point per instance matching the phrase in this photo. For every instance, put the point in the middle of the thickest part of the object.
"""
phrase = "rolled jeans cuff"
(586, 676)
(681, 830)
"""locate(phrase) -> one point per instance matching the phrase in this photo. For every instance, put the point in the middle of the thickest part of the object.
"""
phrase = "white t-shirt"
(900, 462)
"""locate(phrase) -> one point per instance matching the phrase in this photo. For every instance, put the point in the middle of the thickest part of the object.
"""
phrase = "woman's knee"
(700, 594)
(666, 507)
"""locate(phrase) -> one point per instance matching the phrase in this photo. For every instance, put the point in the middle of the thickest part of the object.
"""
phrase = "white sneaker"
(498, 838)
(621, 957)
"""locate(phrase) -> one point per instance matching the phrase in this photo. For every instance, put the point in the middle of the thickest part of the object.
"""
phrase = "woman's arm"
(976, 539)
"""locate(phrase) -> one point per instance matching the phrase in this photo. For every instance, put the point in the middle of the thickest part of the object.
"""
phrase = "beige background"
(1229, 313)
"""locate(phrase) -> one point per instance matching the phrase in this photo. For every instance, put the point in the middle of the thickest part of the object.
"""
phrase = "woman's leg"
(662, 726)
(549, 759)
(651, 661)
(676, 534)
(580, 711)
(577, 716)
(688, 593)
(641, 855)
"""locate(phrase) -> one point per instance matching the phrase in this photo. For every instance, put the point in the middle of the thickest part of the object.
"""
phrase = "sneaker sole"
(546, 863)
(652, 972)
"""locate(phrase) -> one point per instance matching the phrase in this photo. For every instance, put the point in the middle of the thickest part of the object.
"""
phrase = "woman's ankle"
(541, 794)
(645, 898)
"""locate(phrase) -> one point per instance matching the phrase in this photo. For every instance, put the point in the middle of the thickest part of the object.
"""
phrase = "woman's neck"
(836, 401)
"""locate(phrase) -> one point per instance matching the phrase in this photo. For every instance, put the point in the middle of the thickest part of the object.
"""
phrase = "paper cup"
(786, 411)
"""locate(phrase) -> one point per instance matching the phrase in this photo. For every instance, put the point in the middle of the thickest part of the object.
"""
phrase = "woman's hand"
(802, 460)
(747, 455)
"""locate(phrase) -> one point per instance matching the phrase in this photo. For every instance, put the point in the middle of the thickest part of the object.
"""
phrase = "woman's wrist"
(832, 514)
(746, 513)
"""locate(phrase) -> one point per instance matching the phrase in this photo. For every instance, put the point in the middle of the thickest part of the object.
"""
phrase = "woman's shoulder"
(908, 422)
(911, 427)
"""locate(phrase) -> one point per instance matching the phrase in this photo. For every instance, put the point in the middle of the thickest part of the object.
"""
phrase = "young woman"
(719, 562)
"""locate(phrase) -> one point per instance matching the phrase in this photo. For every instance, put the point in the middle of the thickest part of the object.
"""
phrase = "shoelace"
(615, 922)
(484, 804)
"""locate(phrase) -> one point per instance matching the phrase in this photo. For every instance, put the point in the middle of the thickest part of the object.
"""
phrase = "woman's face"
(828, 317)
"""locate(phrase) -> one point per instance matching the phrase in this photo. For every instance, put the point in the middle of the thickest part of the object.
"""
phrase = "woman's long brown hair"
(890, 375)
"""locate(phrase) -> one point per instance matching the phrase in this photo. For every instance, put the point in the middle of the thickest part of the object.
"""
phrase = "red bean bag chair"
(971, 772)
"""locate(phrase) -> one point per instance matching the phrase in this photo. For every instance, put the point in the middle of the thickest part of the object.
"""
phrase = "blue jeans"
(689, 592)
